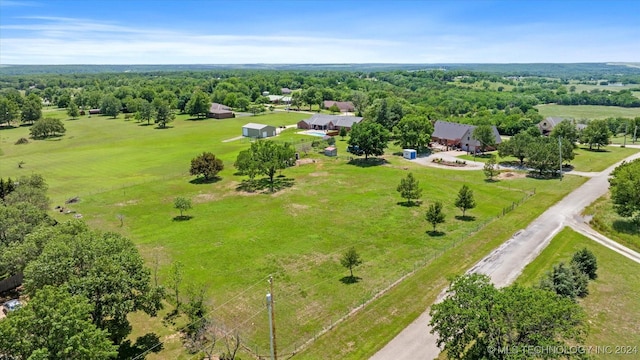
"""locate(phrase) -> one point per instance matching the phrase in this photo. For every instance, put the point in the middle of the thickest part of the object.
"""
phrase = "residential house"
(258, 130)
(460, 136)
(548, 124)
(219, 111)
(344, 106)
(279, 99)
(285, 91)
(328, 122)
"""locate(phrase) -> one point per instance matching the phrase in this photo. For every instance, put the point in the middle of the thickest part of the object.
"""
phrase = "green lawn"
(613, 303)
(234, 239)
(586, 111)
(612, 225)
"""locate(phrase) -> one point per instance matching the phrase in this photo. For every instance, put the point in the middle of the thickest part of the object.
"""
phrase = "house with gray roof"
(547, 124)
(328, 122)
(460, 136)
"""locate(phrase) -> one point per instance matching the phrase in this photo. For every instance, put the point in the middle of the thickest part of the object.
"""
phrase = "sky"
(318, 32)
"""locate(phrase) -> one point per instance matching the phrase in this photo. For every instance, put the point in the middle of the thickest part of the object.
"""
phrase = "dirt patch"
(202, 198)
(295, 209)
(305, 161)
(128, 202)
(319, 173)
(510, 175)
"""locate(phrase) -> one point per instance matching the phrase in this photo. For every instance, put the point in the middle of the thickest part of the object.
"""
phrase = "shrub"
(22, 141)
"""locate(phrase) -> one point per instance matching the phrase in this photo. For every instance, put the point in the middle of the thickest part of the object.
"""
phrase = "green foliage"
(144, 111)
(9, 110)
(163, 113)
(343, 132)
(386, 112)
(435, 215)
(55, 325)
(370, 137)
(585, 261)
(334, 109)
(176, 274)
(47, 127)
(106, 268)
(207, 165)
(484, 134)
(465, 200)
(543, 154)
(110, 106)
(351, 259)
(624, 185)
(256, 109)
(31, 108)
(198, 104)
(490, 167)
(566, 130)
(567, 281)
(413, 132)
(476, 319)
(596, 133)
(409, 188)
(72, 110)
(265, 157)
(29, 189)
(182, 204)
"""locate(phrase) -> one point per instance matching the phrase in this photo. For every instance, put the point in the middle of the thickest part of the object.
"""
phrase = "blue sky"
(375, 31)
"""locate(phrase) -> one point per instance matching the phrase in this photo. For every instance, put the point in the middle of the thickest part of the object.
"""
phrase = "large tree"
(106, 268)
(207, 165)
(110, 106)
(31, 108)
(485, 136)
(479, 321)
(54, 325)
(596, 133)
(144, 111)
(72, 110)
(265, 157)
(413, 132)
(9, 110)
(371, 138)
(566, 130)
(624, 185)
(516, 146)
(163, 113)
(465, 200)
(47, 127)
(409, 188)
(198, 105)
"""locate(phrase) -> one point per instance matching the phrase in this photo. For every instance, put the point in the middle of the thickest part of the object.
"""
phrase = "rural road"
(505, 264)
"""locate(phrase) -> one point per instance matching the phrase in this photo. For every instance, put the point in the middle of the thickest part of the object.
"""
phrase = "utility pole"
(560, 147)
(271, 308)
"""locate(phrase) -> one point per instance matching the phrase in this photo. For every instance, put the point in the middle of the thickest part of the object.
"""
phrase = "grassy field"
(235, 239)
(586, 111)
(585, 159)
(612, 225)
(613, 303)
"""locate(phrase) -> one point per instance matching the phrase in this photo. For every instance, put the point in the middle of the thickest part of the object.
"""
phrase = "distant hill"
(556, 70)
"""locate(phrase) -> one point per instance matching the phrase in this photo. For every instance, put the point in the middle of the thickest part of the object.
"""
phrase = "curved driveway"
(504, 264)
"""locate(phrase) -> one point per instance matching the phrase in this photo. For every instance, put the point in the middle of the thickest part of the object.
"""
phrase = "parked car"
(11, 305)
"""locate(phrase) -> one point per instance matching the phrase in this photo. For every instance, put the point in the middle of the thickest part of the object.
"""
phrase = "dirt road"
(505, 263)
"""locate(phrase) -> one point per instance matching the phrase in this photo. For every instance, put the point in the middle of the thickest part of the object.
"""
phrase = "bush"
(22, 141)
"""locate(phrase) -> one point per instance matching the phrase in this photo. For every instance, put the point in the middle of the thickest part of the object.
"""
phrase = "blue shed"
(409, 154)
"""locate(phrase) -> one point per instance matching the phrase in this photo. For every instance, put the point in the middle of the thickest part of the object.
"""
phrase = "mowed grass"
(613, 303)
(612, 225)
(586, 111)
(235, 239)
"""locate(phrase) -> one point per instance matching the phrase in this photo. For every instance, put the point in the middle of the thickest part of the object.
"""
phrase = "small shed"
(258, 130)
(409, 154)
(331, 151)
(94, 111)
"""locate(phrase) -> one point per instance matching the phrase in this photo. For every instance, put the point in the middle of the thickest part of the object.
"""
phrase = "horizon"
(284, 32)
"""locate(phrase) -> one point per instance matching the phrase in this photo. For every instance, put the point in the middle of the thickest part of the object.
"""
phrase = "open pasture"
(586, 111)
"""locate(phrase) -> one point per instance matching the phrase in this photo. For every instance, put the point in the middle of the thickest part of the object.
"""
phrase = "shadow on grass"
(263, 185)
(544, 176)
(410, 203)
(145, 124)
(435, 233)
(465, 218)
(364, 163)
(493, 180)
(350, 279)
(163, 127)
(197, 118)
(183, 218)
(170, 318)
(595, 150)
(148, 342)
(626, 227)
(203, 180)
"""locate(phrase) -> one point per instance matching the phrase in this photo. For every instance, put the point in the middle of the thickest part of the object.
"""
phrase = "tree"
(145, 111)
(485, 136)
(566, 130)
(360, 101)
(624, 185)
(265, 157)
(334, 109)
(163, 113)
(256, 109)
(182, 204)
(413, 132)
(110, 106)
(198, 104)
(435, 215)
(543, 155)
(370, 137)
(409, 188)
(106, 268)
(207, 165)
(46, 127)
(9, 110)
(31, 108)
(465, 199)
(490, 167)
(596, 133)
(175, 279)
(476, 319)
(566, 280)
(72, 110)
(585, 261)
(247, 164)
(351, 259)
(55, 325)
(29, 189)
(343, 132)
